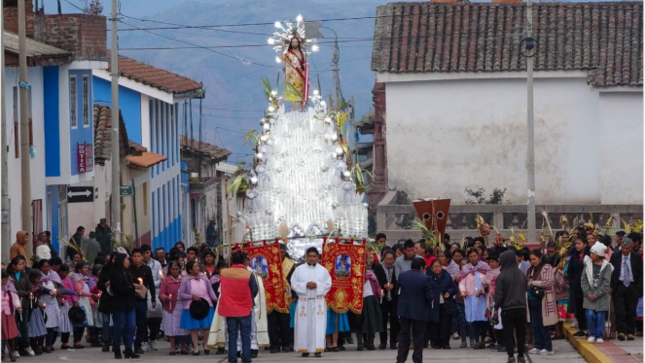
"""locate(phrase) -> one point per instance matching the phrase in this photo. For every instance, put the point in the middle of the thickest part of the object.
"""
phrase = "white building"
(455, 100)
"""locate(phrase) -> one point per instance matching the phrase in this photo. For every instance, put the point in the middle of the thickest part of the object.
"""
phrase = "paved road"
(563, 351)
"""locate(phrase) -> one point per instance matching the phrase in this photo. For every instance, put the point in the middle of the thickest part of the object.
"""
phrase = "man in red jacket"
(238, 289)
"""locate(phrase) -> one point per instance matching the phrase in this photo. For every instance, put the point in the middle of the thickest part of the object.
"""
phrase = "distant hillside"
(234, 94)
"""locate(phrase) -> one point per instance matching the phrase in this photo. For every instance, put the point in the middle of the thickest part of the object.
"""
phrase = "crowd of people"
(504, 299)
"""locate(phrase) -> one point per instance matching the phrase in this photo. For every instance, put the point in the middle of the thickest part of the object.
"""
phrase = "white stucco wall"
(447, 135)
(621, 142)
(37, 164)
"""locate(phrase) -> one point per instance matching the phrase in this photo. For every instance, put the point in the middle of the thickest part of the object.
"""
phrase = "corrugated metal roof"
(35, 49)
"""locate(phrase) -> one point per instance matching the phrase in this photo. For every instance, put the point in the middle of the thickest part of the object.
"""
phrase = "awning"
(145, 160)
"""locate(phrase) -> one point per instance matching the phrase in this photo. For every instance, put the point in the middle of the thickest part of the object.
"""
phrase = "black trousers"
(514, 322)
(625, 301)
(417, 336)
(279, 331)
(141, 311)
(154, 324)
(580, 314)
(388, 312)
(78, 334)
(22, 321)
(439, 332)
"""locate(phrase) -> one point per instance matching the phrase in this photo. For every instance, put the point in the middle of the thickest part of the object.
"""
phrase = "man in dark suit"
(626, 287)
(414, 305)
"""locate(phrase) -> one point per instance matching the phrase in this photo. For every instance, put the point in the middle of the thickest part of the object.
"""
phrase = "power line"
(199, 46)
(236, 45)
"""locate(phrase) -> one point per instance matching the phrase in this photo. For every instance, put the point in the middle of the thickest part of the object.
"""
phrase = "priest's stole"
(346, 265)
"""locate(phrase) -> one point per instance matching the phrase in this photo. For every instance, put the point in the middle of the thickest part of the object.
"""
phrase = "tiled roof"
(102, 133)
(145, 160)
(216, 153)
(156, 77)
(605, 39)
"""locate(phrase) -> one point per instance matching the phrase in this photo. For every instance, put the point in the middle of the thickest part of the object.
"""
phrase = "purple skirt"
(170, 322)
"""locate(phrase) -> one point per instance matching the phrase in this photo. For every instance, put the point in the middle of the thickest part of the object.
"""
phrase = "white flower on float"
(299, 18)
(271, 41)
(266, 126)
(278, 60)
(271, 109)
(327, 119)
(315, 92)
(260, 156)
(315, 48)
(254, 180)
(277, 24)
(264, 137)
(334, 137)
(338, 150)
(274, 93)
(323, 103)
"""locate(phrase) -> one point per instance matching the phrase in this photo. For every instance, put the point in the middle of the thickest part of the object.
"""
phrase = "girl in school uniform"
(37, 329)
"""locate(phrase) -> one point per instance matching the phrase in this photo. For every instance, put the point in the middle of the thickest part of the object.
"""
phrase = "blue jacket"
(440, 285)
(415, 296)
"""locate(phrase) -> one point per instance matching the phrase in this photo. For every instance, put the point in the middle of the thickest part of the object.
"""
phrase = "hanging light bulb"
(339, 150)
(299, 18)
(277, 24)
(315, 48)
(271, 41)
(274, 93)
(264, 137)
(271, 109)
(266, 126)
(315, 92)
(278, 60)
(334, 137)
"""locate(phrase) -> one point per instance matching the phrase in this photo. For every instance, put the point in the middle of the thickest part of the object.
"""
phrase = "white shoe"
(30, 352)
(145, 347)
(574, 324)
(153, 346)
(534, 351)
(15, 354)
(591, 340)
(599, 341)
(545, 352)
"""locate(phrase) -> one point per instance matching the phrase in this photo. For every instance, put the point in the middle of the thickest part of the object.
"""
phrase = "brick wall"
(84, 35)
(11, 17)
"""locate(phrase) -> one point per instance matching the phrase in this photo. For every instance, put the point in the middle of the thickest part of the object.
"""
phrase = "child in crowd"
(37, 328)
(10, 302)
(51, 282)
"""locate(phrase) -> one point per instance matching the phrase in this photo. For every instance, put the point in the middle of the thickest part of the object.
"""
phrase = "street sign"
(80, 194)
(126, 191)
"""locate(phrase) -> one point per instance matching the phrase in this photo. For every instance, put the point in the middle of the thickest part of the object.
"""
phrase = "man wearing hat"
(104, 236)
(626, 288)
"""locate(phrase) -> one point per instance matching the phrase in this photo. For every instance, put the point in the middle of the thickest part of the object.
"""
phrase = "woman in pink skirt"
(172, 308)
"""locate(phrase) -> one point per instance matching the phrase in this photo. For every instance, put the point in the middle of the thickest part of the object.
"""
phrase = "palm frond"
(252, 136)
(235, 185)
(267, 87)
(292, 93)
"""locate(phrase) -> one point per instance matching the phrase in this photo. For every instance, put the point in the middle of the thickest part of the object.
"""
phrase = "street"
(563, 351)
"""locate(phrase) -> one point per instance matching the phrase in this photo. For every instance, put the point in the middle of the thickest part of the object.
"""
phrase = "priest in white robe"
(311, 282)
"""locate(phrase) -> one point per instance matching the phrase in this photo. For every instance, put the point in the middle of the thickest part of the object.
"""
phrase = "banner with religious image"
(346, 265)
(266, 262)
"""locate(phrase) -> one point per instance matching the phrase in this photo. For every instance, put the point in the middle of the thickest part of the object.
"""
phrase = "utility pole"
(116, 162)
(25, 172)
(335, 57)
(530, 157)
(199, 170)
(6, 207)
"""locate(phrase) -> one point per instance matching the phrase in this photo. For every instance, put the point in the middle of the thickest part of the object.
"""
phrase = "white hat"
(599, 249)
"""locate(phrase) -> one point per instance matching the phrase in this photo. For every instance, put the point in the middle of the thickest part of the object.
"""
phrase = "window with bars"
(86, 101)
(72, 102)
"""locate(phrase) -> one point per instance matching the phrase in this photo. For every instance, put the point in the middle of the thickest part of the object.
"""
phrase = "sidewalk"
(610, 351)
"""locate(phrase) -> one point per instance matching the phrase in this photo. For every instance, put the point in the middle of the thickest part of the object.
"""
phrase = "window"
(86, 101)
(72, 102)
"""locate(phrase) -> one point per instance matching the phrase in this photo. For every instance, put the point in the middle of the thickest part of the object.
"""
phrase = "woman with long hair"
(172, 308)
(384, 272)
(122, 288)
(542, 309)
(196, 287)
(16, 271)
(471, 285)
(52, 283)
(86, 300)
(579, 256)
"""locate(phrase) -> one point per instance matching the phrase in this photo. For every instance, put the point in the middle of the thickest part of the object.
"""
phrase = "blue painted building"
(149, 100)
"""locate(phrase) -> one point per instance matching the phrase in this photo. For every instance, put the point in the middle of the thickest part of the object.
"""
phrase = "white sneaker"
(145, 347)
(574, 324)
(591, 340)
(600, 341)
(15, 354)
(545, 352)
(153, 346)
(534, 351)
(30, 352)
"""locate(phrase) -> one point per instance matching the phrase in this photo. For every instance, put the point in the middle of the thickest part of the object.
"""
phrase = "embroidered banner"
(265, 261)
(346, 265)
